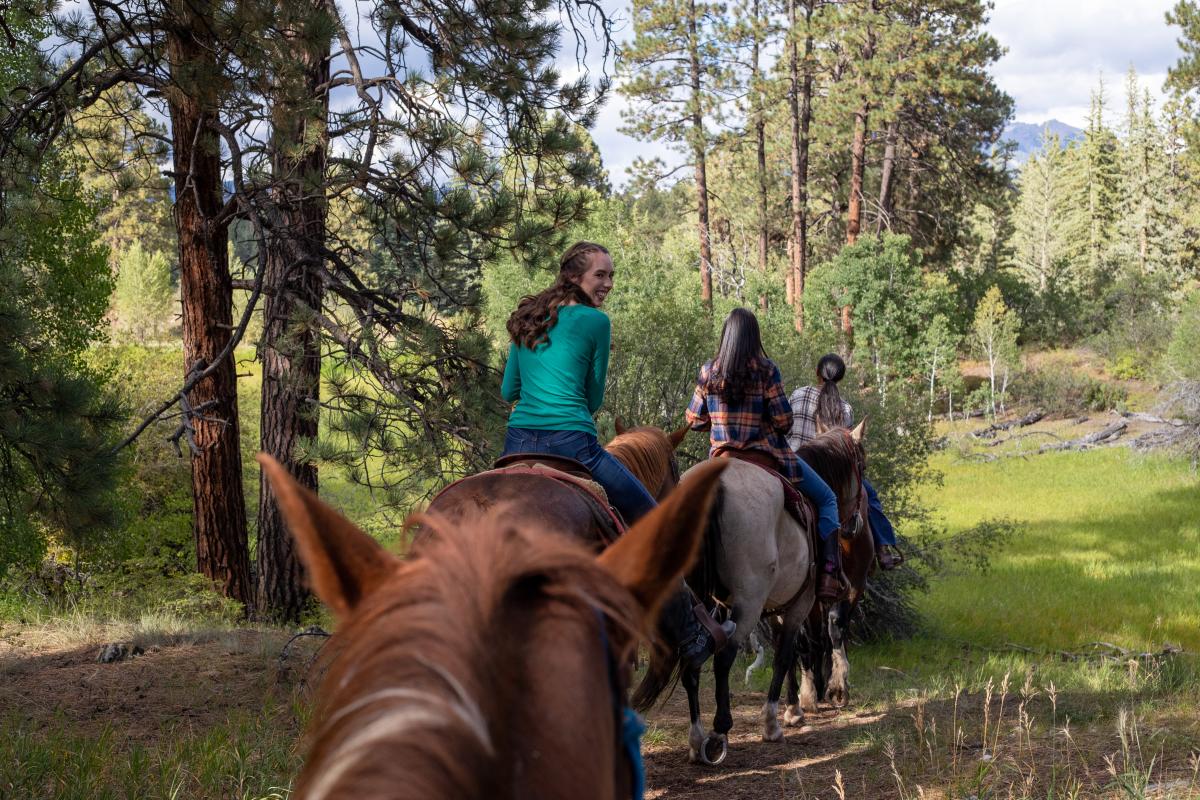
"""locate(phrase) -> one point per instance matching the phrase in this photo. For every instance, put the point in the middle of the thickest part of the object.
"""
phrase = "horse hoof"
(838, 698)
(793, 716)
(773, 734)
(716, 747)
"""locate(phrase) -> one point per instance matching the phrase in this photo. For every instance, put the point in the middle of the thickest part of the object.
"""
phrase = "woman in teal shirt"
(557, 365)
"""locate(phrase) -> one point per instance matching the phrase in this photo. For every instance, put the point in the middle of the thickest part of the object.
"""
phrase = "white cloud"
(1058, 49)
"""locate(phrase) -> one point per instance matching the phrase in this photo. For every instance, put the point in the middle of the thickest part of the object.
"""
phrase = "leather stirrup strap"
(710, 624)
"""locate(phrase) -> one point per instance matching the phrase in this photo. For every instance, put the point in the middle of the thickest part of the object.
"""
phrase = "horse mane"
(413, 674)
(831, 457)
(646, 451)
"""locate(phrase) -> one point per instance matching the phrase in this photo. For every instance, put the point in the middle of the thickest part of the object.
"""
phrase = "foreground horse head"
(488, 664)
(649, 453)
(837, 456)
(757, 560)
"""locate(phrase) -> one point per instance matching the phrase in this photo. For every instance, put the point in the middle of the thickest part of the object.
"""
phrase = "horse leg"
(810, 658)
(793, 715)
(785, 662)
(717, 745)
(839, 673)
(690, 678)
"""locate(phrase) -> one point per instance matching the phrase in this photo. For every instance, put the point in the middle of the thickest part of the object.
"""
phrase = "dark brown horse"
(840, 461)
(487, 664)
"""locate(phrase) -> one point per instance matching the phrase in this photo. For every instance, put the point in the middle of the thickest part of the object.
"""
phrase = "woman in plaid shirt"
(821, 408)
(740, 399)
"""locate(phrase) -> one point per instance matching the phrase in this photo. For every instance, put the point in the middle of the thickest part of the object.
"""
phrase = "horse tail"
(661, 676)
(664, 670)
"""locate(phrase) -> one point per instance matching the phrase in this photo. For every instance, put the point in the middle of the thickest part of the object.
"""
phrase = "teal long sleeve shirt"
(559, 385)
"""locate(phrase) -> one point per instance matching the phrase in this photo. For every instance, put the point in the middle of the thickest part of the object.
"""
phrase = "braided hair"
(536, 314)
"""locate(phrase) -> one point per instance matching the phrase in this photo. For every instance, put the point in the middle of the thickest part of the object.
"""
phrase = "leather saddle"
(561, 463)
(574, 474)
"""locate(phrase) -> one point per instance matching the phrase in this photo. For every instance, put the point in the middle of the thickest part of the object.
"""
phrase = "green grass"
(249, 757)
(1108, 550)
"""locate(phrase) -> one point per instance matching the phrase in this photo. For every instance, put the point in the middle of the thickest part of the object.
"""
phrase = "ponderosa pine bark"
(206, 293)
(291, 345)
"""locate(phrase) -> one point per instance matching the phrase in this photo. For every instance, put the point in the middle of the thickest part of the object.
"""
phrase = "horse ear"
(343, 564)
(654, 555)
(860, 430)
(677, 436)
(620, 425)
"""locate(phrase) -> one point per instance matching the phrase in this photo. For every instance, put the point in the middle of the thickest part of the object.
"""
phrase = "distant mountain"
(1028, 136)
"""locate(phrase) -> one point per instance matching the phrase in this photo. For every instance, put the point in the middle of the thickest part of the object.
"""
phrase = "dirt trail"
(803, 765)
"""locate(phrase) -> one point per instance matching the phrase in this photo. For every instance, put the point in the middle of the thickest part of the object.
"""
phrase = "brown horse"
(487, 664)
(649, 453)
(839, 459)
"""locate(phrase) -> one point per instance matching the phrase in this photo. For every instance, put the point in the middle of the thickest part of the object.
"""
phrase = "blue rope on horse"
(630, 723)
(632, 728)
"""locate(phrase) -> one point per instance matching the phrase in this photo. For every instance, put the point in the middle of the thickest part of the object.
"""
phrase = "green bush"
(1065, 393)
(1183, 353)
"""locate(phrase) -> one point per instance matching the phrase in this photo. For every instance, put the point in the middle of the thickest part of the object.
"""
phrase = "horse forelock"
(414, 702)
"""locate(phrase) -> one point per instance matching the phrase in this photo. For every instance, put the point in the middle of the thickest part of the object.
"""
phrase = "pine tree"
(143, 302)
(1042, 252)
(1100, 199)
(58, 468)
(675, 81)
(120, 152)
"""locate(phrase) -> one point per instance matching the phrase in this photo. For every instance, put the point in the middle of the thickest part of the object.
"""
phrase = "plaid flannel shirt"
(804, 406)
(759, 422)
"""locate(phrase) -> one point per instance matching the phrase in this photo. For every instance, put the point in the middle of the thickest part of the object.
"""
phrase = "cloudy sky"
(1057, 49)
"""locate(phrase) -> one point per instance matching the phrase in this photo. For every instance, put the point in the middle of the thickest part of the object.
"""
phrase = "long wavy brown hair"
(536, 314)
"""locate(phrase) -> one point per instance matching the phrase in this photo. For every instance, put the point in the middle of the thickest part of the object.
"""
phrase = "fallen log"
(1107, 435)
(1143, 417)
(991, 430)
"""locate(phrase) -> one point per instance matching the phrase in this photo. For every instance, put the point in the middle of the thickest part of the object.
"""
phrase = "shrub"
(1065, 392)
(1183, 353)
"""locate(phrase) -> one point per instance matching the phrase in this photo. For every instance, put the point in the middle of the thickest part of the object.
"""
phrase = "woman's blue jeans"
(881, 526)
(625, 492)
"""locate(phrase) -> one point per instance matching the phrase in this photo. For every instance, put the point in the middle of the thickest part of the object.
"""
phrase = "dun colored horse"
(490, 662)
(758, 561)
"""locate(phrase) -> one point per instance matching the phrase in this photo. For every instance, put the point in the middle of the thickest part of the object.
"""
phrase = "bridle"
(853, 451)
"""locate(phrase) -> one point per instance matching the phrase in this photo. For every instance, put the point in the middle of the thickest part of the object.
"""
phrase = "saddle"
(567, 471)
(797, 505)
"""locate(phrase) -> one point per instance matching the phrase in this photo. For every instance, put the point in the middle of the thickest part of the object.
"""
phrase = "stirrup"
(719, 637)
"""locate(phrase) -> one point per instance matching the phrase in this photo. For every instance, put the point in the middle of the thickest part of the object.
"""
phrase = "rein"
(629, 723)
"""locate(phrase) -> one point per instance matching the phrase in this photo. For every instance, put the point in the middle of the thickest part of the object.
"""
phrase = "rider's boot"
(829, 584)
(687, 625)
(889, 557)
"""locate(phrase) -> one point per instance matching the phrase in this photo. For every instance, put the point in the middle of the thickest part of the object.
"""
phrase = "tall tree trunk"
(858, 158)
(699, 147)
(858, 161)
(760, 137)
(801, 113)
(207, 298)
(885, 179)
(291, 351)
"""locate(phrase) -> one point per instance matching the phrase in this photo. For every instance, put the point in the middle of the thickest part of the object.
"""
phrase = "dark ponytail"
(830, 413)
